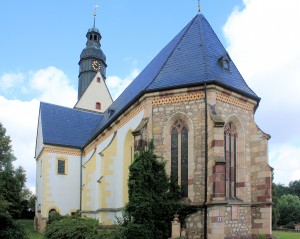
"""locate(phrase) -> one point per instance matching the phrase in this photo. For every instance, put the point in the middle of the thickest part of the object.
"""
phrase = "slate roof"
(65, 126)
(191, 58)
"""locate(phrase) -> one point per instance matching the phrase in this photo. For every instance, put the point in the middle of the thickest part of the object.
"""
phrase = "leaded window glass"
(179, 155)
(230, 148)
(174, 154)
(184, 162)
(60, 167)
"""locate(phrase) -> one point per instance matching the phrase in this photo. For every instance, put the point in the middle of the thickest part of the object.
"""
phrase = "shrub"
(70, 227)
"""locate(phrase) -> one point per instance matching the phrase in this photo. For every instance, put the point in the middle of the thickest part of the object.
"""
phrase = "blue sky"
(41, 42)
(38, 34)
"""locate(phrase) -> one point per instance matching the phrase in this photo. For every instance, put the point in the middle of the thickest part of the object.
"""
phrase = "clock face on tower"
(96, 65)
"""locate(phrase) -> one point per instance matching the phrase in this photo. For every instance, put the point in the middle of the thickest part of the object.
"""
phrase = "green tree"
(153, 199)
(275, 210)
(282, 190)
(12, 180)
(294, 188)
(6, 153)
(27, 204)
(289, 208)
(10, 229)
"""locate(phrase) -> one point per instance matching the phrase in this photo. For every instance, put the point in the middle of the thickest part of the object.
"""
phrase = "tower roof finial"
(95, 14)
(198, 6)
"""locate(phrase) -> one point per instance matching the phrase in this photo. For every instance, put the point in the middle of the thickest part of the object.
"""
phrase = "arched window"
(230, 148)
(98, 106)
(179, 155)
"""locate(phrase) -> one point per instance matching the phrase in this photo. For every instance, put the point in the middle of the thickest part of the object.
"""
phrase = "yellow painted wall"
(105, 185)
(89, 169)
(47, 204)
(127, 160)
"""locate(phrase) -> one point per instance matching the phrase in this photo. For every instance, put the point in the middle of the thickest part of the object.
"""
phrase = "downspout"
(80, 188)
(206, 163)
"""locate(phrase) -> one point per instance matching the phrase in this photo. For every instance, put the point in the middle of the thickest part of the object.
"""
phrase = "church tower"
(92, 60)
(93, 94)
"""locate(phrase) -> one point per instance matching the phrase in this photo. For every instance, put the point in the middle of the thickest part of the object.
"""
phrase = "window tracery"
(230, 149)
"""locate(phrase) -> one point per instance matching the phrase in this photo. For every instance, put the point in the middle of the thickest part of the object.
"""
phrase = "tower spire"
(95, 14)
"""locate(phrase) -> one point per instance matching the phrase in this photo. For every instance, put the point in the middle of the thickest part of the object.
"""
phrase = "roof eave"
(64, 145)
(255, 98)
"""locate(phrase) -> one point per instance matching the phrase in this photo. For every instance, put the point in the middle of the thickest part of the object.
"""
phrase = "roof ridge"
(187, 27)
(202, 35)
(70, 108)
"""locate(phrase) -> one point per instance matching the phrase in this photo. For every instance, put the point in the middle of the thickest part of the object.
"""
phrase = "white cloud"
(286, 160)
(11, 80)
(54, 86)
(263, 41)
(20, 120)
(20, 117)
(116, 85)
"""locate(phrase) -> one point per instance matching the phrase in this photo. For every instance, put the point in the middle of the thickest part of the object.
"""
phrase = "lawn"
(28, 224)
(286, 235)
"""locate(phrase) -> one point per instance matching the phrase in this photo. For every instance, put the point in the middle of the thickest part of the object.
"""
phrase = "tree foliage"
(12, 180)
(10, 229)
(6, 153)
(286, 199)
(153, 199)
(275, 210)
(289, 208)
(294, 188)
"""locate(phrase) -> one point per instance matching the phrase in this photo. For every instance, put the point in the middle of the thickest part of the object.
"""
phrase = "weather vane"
(198, 5)
(95, 14)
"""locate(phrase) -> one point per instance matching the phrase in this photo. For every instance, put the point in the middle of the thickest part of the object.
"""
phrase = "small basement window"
(98, 106)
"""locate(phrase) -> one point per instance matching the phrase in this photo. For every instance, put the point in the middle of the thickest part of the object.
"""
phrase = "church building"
(194, 104)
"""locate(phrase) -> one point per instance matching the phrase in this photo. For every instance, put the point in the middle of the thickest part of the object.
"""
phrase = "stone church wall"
(226, 216)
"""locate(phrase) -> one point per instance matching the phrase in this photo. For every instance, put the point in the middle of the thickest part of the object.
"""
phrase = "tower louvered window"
(230, 149)
(179, 155)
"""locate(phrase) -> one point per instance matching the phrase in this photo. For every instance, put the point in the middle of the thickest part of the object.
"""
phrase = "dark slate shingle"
(191, 58)
(65, 126)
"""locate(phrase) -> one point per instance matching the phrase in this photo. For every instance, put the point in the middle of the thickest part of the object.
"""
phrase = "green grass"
(286, 235)
(28, 224)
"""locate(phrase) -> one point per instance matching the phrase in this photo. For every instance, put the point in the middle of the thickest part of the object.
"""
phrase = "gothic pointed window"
(230, 149)
(179, 155)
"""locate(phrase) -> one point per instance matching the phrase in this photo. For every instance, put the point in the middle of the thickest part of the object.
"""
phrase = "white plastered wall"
(93, 184)
(122, 132)
(39, 165)
(96, 92)
(63, 191)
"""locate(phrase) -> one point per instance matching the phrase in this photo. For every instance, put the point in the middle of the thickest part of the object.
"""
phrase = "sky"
(41, 42)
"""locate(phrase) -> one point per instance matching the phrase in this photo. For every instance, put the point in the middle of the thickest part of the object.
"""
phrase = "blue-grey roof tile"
(65, 126)
(191, 58)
